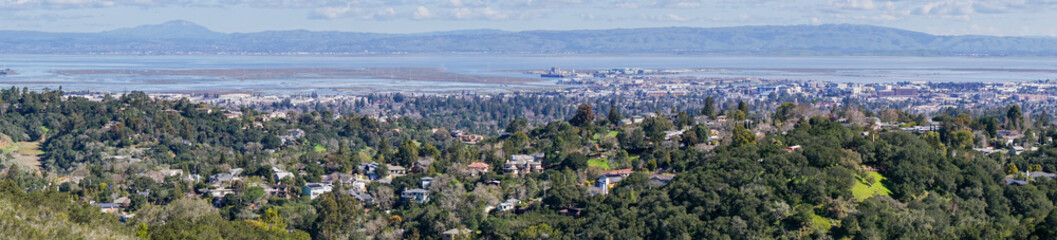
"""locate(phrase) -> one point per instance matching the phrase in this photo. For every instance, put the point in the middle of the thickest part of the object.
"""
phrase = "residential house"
(1036, 174)
(510, 204)
(313, 190)
(455, 232)
(275, 190)
(280, 174)
(369, 169)
(362, 196)
(1010, 181)
(426, 182)
(339, 178)
(222, 178)
(657, 180)
(220, 192)
(108, 207)
(396, 171)
(610, 178)
(523, 164)
(417, 195)
(479, 167)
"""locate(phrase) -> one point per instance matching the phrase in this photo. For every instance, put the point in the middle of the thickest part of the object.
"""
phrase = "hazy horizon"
(954, 17)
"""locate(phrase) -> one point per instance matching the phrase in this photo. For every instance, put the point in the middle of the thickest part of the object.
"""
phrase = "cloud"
(667, 17)
(682, 4)
(853, 4)
(354, 12)
(485, 13)
(422, 13)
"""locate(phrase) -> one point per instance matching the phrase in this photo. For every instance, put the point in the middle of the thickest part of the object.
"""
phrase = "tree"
(143, 231)
(575, 161)
(933, 138)
(654, 129)
(742, 106)
(743, 136)
(1012, 169)
(784, 112)
(710, 107)
(1014, 117)
(962, 139)
(337, 211)
(273, 221)
(407, 153)
(584, 116)
(516, 125)
(682, 120)
(614, 116)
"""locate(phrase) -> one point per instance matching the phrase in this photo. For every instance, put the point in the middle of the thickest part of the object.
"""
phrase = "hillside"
(182, 37)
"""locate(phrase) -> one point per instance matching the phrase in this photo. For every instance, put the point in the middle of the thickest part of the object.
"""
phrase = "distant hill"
(182, 37)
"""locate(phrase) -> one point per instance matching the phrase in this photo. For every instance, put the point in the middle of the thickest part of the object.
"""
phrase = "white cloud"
(853, 4)
(668, 17)
(486, 13)
(422, 13)
(354, 12)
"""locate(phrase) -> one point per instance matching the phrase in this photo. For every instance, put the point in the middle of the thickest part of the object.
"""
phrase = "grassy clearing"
(820, 223)
(597, 136)
(598, 163)
(319, 148)
(863, 189)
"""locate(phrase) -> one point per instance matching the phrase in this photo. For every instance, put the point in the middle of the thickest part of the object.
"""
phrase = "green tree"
(743, 136)
(654, 129)
(143, 231)
(1012, 169)
(273, 220)
(933, 138)
(614, 116)
(407, 153)
(584, 116)
(710, 107)
(784, 111)
(1015, 117)
(743, 106)
(962, 139)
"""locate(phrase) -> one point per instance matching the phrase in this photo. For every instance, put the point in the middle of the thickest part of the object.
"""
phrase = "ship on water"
(7, 71)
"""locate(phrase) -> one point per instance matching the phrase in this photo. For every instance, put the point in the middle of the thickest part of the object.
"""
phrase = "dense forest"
(724, 171)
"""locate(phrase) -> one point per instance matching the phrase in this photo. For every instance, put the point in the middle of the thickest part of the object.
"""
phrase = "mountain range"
(182, 37)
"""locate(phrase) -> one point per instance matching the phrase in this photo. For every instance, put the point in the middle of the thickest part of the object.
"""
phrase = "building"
(523, 164)
(610, 179)
(417, 195)
(280, 174)
(397, 170)
(510, 204)
(313, 190)
(479, 167)
(427, 182)
(455, 233)
(657, 180)
(108, 207)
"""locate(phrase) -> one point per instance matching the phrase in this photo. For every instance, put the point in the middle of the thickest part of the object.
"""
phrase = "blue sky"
(946, 17)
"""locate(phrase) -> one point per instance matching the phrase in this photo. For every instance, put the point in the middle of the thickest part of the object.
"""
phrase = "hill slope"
(182, 37)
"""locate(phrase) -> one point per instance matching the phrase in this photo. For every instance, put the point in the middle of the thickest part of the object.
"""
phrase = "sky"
(942, 17)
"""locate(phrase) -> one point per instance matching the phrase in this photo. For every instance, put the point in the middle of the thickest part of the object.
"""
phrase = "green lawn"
(599, 163)
(597, 136)
(820, 223)
(319, 148)
(863, 189)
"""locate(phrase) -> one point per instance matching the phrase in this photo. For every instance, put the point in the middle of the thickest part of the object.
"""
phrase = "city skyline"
(951, 17)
